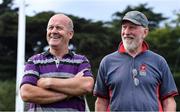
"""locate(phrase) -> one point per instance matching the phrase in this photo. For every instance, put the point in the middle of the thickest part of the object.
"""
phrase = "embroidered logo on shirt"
(142, 71)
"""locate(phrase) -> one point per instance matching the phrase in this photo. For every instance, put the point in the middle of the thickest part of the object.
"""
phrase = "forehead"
(126, 22)
(58, 20)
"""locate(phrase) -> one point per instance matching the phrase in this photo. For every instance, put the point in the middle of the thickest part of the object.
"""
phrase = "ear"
(71, 33)
(146, 31)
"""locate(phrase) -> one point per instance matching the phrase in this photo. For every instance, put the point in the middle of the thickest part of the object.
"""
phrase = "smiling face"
(59, 31)
(133, 36)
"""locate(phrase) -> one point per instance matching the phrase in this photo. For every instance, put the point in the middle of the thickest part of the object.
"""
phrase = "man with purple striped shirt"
(57, 80)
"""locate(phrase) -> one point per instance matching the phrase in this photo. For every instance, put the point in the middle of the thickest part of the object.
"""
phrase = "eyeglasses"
(136, 80)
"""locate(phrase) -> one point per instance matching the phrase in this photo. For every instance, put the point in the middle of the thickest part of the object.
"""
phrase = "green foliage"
(8, 40)
(91, 101)
(5, 6)
(166, 41)
(177, 98)
(10, 29)
(7, 95)
(154, 18)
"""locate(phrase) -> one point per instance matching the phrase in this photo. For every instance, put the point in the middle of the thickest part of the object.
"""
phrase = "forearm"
(72, 86)
(101, 104)
(38, 95)
(169, 104)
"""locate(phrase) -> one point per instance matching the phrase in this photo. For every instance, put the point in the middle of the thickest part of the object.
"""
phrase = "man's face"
(58, 34)
(132, 36)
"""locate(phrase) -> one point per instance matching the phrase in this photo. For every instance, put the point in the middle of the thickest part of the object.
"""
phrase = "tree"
(166, 42)
(6, 6)
(36, 32)
(154, 18)
(8, 40)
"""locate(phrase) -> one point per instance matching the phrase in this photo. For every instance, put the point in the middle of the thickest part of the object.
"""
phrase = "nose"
(54, 30)
(127, 30)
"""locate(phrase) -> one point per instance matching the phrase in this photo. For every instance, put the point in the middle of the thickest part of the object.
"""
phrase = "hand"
(81, 73)
(44, 83)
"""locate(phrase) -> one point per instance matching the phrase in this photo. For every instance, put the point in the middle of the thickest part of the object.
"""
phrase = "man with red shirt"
(134, 78)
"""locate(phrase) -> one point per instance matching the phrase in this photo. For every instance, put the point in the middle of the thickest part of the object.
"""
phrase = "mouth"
(55, 37)
(130, 38)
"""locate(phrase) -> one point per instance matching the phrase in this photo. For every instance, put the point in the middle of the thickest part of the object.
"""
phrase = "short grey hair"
(70, 25)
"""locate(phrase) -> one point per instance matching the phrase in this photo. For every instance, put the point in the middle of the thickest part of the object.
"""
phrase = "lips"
(128, 38)
(55, 37)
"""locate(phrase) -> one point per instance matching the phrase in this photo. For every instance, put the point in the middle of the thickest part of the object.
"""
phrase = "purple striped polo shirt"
(47, 65)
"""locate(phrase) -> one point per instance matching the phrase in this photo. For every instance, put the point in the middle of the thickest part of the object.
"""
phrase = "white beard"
(130, 45)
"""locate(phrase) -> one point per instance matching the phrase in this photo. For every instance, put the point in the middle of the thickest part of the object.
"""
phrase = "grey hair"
(70, 25)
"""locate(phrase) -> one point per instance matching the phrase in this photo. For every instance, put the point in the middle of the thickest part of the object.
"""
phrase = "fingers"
(81, 73)
(83, 70)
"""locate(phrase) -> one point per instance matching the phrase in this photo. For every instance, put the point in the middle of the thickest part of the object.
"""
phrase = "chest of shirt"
(120, 73)
(63, 68)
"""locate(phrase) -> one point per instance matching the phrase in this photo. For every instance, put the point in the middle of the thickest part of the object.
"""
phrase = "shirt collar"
(70, 53)
(121, 48)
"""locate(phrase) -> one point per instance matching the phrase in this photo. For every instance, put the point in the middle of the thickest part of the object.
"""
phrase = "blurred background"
(97, 28)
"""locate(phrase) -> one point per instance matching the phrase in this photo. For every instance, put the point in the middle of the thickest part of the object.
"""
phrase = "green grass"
(7, 95)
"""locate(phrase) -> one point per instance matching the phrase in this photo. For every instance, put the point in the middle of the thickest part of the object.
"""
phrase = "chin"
(53, 46)
(54, 43)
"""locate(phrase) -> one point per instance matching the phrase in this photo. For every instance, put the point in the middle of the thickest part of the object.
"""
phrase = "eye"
(59, 28)
(124, 27)
(50, 27)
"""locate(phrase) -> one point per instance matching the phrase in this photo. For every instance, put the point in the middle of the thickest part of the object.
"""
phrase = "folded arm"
(30, 93)
(75, 86)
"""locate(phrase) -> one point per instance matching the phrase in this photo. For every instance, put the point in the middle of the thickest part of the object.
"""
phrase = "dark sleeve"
(101, 88)
(168, 86)
(31, 73)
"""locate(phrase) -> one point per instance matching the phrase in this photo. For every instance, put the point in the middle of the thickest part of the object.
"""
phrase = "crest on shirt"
(142, 70)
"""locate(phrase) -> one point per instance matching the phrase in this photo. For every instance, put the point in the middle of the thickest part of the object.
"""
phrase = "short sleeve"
(85, 65)
(101, 88)
(31, 73)
(168, 86)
